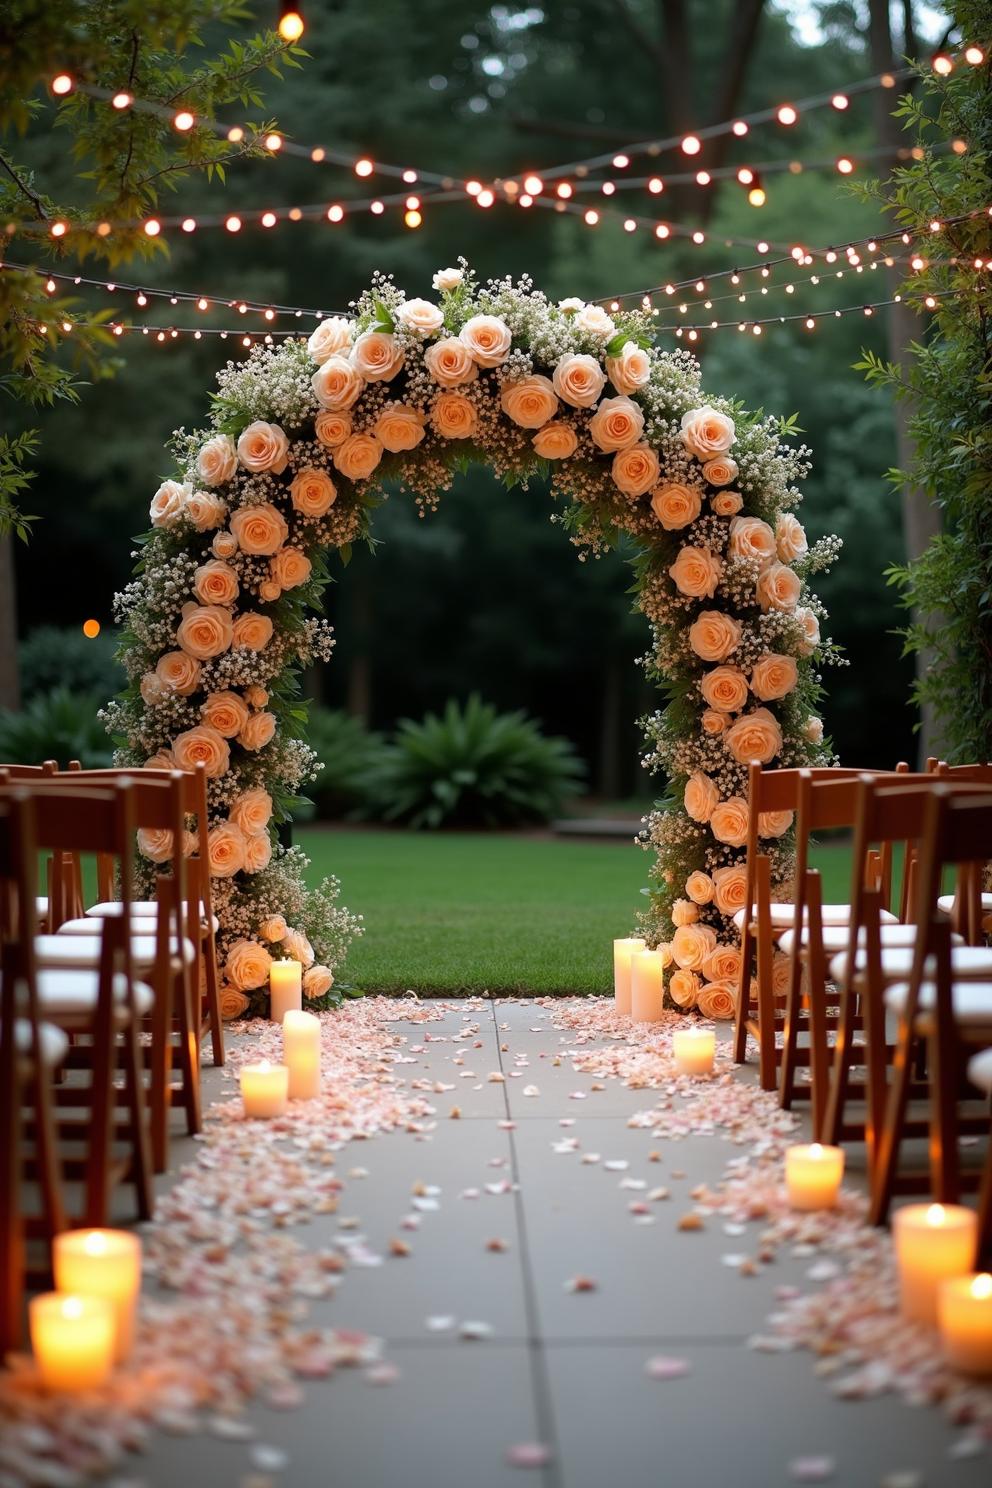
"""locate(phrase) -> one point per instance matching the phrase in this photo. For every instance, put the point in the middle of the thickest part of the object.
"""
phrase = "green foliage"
(59, 725)
(949, 382)
(349, 756)
(53, 656)
(14, 479)
(472, 766)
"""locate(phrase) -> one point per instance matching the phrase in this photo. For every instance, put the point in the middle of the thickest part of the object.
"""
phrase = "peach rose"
(713, 635)
(178, 672)
(215, 583)
(297, 946)
(754, 736)
(247, 965)
(268, 591)
(699, 887)
(730, 888)
(377, 356)
(594, 321)
(774, 823)
(781, 974)
(664, 950)
(556, 441)
(683, 987)
(331, 338)
(753, 539)
(204, 510)
(684, 912)
(813, 730)
(696, 573)
(260, 529)
(790, 538)
(258, 731)
(529, 401)
(487, 339)
(162, 759)
(810, 630)
(317, 981)
(635, 470)
(252, 631)
(202, 744)
(273, 929)
(225, 849)
(773, 676)
(256, 696)
(290, 568)
(726, 503)
(312, 491)
(691, 944)
(728, 822)
(717, 1000)
(252, 812)
(675, 505)
(232, 1003)
(155, 844)
(450, 362)
(725, 688)
(167, 504)
(258, 852)
(358, 456)
(723, 964)
(224, 545)
(706, 433)
(721, 470)
(205, 631)
(217, 461)
(701, 796)
(399, 428)
(617, 424)
(778, 588)
(578, 380)
(454, 416)
(330, 428)
(227, 712)
(447, 279)
(152, 689)
(420, 316)
(630, 370)
(337, 385)
(263, 446)
(713, 722)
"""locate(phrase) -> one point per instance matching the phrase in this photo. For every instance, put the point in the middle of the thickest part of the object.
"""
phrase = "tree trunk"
(920, 517)
(10, 690)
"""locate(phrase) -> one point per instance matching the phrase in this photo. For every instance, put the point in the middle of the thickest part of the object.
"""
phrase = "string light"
(756, 194)
(974, 56)
(121, 101)
(153, 227)
(59, 229)
(91, 629)
(273, 142)
(691, 145)
(233, 223)
(364, 167)
(786, 114)
(183, 121)
(942, 65)
(840, 101)
(533, 185)
(845, 165)
(62, 84)
(291, 23)
(739, 127)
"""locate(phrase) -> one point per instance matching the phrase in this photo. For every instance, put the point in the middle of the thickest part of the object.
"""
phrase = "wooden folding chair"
(980, 1075)
(941, 1011)
(969, 907)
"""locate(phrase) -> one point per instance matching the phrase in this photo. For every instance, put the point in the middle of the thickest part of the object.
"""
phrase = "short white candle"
(964, 1311)
(694, 1050)
(285, 988)
(647, 986)
(265, 1089)
(102, 1263)
(622, 952)
(301, 1051)
(934, 1243)
(73, 1341)
(813, 1175)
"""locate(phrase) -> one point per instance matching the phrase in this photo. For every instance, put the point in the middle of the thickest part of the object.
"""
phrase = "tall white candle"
(301, 1052)
(647, 988)
(934, 1243)
(964, 1309)
(102, 1263)
(622, 952)
(264, 1088)
(285, 988)
(73, 1341)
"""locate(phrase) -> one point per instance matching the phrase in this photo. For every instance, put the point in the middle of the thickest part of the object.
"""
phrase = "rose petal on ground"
(269, 1459)
(812, 1469)
(663, 1367)
(528, 1454)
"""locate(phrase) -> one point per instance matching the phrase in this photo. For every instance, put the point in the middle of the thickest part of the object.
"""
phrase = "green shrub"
(474, 767)
(52, 657)
(59, 725)
(349, 756)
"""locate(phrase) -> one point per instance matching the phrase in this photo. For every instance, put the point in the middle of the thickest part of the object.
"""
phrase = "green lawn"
(476, 912)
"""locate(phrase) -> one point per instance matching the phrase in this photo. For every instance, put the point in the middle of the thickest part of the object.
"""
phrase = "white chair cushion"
(968, 963)
(140, 908)
(782, 915)
(946, 903)
(54, 1044)
(69, 993)
(835, 937)
(980, 1070)
(972, 1000)
(84, 950)
(140, 925)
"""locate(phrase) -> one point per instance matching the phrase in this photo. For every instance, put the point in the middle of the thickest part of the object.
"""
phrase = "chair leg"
(189, 1049)
(790, 1038)
(213, 997)
(885, 1165)
(945, 1162)
(11, 1222)
(141, 1156)
(983, 1256)
(743, 997)
(100, 1127)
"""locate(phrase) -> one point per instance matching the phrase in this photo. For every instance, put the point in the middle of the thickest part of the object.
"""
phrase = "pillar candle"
(934, 1243)
(265, 1089)
(647, 991)
(694, 1050)
(622, 952)
(73, 1341)
(102, 1263)
(964, 1312)
(285, 988)
(301, 1051)
(813, 1175)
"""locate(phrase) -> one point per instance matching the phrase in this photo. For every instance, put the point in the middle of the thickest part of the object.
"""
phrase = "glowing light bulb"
(235, 134)
(291, 23)
(981, 1287)
(269, 219)
(629, 225)
(608, 188)
(756, 196)
(840, 101)
(942, 64)
(691, 145)
(661, 231)
(62, 84)
(739, 128)
(364, 167)
(698, 237)
(232, 223)
(533, 185)
(473, 187)
(485, 198)
(745, 175)
(409, 176)
(412, 217)
(202, 304)
(563, 190)
(273, 142)
(845, 165)
(376, 208)
(656, 185)
(703, 178)
(974, 56)
(59, 229)
(153, 227)
(335, 213)
(591, 217)
(183, 121)
(621, 161)
(189, 224)
(786, 114)
(121, 101)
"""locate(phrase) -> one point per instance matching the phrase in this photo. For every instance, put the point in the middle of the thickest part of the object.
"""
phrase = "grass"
(456, 913)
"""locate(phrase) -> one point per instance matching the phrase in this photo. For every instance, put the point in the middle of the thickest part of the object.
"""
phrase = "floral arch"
(303, 439)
